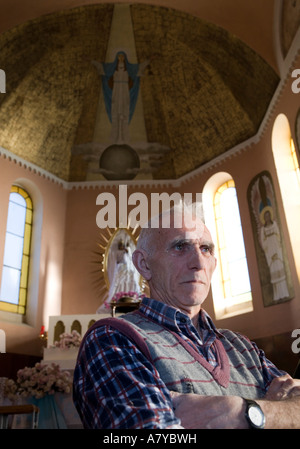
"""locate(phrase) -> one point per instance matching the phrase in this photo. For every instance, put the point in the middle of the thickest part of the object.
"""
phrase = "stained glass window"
(232, 256)
(14, 284)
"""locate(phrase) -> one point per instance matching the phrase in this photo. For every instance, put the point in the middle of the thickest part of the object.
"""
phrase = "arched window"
(233, 267)
(14, 284)
(287, 168)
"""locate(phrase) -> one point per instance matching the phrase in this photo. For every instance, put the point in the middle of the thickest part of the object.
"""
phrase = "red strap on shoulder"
(126, 329)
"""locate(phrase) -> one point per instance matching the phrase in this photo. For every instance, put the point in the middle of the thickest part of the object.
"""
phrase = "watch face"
(256, 416)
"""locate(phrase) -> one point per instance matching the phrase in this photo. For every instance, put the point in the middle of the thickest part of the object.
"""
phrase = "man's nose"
(195, 259)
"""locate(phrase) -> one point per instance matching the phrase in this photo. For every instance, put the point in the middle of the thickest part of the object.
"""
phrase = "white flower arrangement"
(38, 381)
(67, 340)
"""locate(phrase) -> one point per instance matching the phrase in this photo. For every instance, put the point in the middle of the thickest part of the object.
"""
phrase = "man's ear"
(139, 259)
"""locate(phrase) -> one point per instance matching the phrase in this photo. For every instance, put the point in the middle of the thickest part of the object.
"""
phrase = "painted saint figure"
(269, 238)
(271, 243)
(120, 85)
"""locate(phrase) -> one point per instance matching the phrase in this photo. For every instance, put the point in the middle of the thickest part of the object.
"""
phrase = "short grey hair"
(148, 230)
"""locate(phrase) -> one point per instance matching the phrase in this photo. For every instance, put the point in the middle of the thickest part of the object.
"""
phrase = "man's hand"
(228, 412)
(210, 412)
(283, 387)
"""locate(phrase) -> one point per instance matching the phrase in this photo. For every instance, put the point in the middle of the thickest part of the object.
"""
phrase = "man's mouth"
(194, 281)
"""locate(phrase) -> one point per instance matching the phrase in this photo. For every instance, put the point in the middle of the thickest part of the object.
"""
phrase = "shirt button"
(183, 320)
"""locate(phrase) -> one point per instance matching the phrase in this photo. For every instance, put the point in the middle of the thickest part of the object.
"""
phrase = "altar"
(66, 357)
(66, 324)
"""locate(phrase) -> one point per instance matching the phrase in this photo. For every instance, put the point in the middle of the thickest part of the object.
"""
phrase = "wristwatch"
(254, 414)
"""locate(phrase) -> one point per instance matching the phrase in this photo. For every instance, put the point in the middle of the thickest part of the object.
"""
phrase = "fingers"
(282, 388)
(176, 397)
(174, 394)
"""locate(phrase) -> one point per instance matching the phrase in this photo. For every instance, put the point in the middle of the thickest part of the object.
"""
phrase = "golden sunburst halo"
(100, 279)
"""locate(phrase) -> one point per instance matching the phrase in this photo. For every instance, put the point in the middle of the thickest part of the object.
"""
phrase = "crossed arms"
(281, 406)
(115, 386)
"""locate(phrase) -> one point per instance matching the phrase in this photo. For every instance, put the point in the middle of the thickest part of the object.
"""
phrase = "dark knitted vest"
(183, 369)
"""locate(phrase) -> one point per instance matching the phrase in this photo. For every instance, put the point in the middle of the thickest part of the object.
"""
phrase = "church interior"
(214, 101)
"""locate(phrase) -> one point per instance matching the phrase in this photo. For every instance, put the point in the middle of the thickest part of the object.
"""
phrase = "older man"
(166, 365)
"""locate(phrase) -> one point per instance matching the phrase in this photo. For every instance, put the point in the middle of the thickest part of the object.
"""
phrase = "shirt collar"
(170, 317)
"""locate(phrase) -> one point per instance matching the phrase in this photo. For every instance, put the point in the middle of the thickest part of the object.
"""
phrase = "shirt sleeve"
(269, 370)
(117, 387)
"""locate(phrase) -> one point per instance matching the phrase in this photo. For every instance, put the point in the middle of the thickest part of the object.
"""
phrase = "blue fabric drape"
(50, 416)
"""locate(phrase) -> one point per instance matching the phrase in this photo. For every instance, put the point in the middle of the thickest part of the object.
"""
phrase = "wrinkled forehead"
(190, 225)
(190, 229)
(178, 219)
(171, 224)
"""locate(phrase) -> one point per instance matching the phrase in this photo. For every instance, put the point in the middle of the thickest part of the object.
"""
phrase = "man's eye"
(186, 247)
(205, 249)
(180, 246)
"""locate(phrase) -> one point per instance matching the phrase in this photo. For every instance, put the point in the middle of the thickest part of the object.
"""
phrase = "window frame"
(226, 305)
(7, 306)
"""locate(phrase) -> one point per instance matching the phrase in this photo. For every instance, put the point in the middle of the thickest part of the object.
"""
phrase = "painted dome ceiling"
(193, 89)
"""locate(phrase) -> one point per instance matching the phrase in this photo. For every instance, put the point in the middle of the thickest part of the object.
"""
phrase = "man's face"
(182, 266)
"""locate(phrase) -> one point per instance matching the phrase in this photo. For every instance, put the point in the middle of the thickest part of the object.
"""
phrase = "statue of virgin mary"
(121, 272)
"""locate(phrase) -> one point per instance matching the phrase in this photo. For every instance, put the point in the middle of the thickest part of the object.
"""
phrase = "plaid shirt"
(115, 385)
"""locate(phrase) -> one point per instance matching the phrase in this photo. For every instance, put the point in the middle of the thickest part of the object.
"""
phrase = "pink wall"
(79, 295)
(49, 202)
